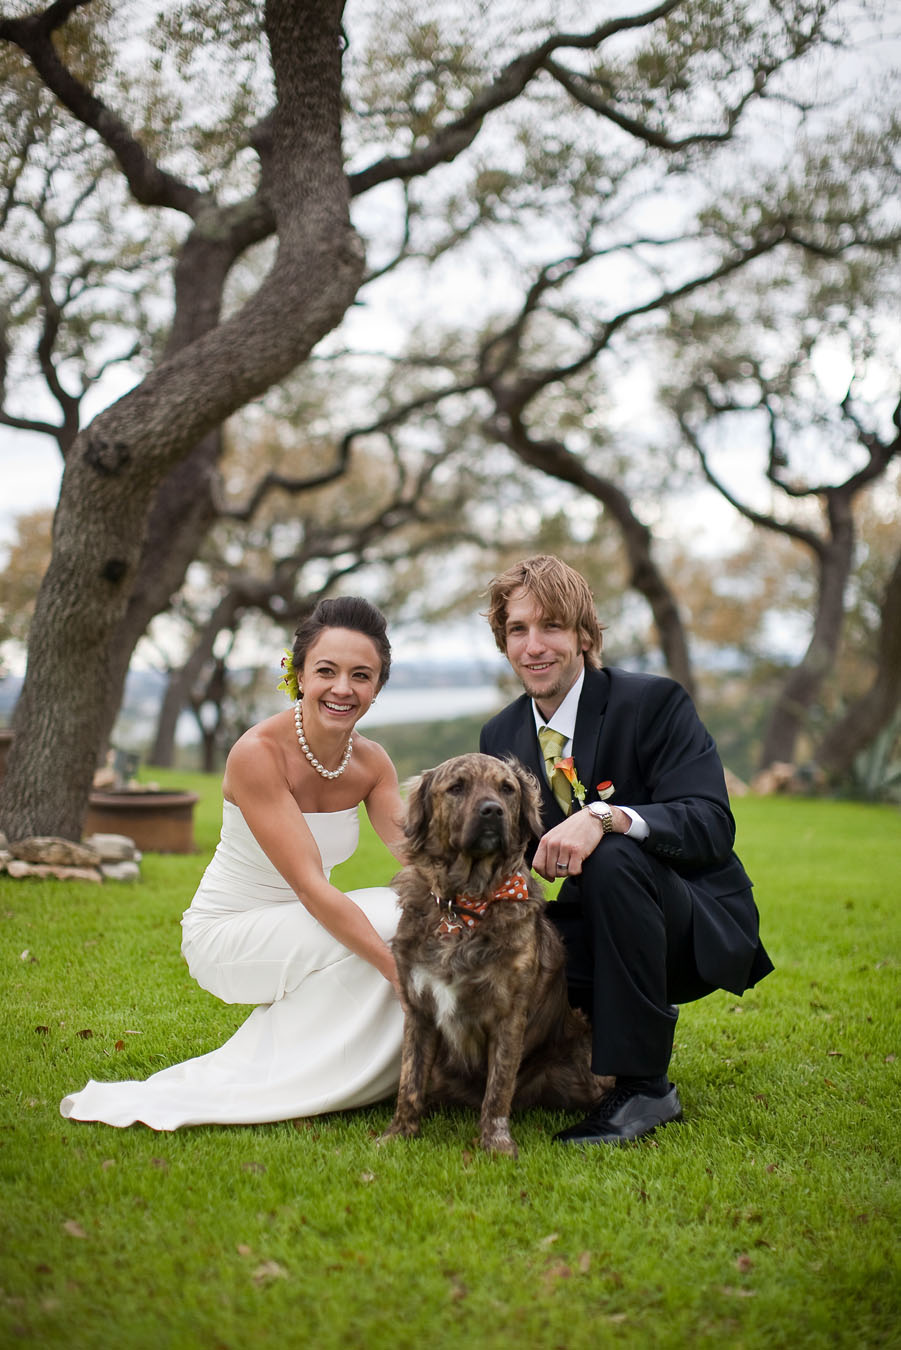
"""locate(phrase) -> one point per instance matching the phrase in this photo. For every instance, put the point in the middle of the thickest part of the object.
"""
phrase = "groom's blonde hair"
(560, 592)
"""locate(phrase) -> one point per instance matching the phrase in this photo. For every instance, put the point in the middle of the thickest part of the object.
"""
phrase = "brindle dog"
(487, 1019)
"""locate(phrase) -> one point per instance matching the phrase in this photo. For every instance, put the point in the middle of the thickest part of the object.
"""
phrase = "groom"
(655, 908)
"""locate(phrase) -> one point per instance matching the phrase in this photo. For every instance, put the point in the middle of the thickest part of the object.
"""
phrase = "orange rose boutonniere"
(568, 769)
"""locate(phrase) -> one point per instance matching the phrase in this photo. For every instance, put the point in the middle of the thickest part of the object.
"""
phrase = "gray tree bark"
(874, 710)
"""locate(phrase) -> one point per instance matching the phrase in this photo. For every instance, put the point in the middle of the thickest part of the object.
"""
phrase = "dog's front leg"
(420, 1045)
(504, 1055)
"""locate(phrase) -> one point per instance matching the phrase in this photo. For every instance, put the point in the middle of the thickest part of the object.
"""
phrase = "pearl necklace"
(326, 773)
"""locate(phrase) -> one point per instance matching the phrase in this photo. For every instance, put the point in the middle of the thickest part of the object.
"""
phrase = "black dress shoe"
(625, 1113)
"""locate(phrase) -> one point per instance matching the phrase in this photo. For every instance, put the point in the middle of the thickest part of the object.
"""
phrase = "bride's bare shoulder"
(373, 756)
(259, 752)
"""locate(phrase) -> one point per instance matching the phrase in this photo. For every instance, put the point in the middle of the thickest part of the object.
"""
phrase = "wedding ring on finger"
(562, 867)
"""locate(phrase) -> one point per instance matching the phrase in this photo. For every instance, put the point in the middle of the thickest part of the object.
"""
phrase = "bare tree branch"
(581, 90)
(449, 141)
(767, 522)
(150, 185)
(271, 482)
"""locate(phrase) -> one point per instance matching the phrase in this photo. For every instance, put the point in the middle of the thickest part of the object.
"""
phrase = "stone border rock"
(110, 857)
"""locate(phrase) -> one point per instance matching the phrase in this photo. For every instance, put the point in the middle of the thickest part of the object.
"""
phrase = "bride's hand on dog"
(387, 966)
(564, 848)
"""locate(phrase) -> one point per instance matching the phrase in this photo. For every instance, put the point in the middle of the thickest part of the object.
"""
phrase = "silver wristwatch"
(604, 814)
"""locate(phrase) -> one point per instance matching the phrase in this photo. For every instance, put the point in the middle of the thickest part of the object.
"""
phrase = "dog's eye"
(456, 787)
(508, 788)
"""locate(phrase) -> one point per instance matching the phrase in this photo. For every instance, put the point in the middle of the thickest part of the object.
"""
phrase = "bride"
(267, 926)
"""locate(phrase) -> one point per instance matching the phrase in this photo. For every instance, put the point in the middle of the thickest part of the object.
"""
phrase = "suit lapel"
(589, 723)
(524, 742)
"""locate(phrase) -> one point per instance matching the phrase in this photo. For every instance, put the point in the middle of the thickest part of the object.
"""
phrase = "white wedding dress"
(329, 1034)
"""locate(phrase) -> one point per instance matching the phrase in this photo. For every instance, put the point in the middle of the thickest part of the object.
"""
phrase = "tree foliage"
(24, 566)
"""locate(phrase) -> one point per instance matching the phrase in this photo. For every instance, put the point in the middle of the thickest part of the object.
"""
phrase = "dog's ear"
(419, 810)
(531, 825)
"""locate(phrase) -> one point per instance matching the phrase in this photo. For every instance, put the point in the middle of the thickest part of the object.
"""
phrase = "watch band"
(604, 814)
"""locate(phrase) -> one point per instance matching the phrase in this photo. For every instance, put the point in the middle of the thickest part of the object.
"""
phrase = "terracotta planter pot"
(158, 822)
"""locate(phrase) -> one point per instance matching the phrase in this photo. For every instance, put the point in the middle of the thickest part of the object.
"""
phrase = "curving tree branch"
(451, 140)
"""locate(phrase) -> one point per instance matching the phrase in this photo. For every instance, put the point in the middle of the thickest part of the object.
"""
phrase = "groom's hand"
(561, 852)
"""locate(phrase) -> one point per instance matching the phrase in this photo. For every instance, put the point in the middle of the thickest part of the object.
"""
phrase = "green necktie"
(552, 743)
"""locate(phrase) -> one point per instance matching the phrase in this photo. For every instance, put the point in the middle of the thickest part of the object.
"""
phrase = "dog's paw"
(399, 1130)
(496, 1138)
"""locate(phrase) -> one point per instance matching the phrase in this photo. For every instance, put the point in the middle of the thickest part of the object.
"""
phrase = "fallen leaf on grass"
(107, 1164)
(367, 1176)
(549, 1240)
(74, 1229)
(731, 1292)
(835, 1054)
(743, 1262)
(86, 1034)
(253, 1167)
(616, 1317)
(243, 1249)
(120, 1045)
(42, 1031)
(585, 1262)
(268, 1271)
(160, 1163)
(890, 1059)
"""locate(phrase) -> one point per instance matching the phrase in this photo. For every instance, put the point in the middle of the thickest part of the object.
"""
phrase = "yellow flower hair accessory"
(288, 682)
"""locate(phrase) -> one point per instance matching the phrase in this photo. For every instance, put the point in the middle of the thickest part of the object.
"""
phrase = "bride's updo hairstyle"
(344, 611)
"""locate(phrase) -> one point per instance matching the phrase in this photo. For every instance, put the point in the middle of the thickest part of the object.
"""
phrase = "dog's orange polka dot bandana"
(466, 910)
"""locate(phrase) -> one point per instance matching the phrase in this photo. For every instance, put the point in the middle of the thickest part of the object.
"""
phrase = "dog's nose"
(490, 809)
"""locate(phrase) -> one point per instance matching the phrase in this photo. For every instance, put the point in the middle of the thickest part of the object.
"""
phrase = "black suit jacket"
(642, 734)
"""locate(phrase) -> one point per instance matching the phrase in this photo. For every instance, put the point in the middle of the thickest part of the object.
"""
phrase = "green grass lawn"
(769, 1218)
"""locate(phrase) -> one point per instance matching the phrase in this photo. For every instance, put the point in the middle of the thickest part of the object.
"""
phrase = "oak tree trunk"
(803, 683)
(116, 465)
(868, 715)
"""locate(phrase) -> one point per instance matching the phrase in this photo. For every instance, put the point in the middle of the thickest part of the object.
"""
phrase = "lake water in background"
(432, 705)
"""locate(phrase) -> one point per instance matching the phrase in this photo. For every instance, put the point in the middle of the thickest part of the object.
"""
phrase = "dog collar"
(466, 910)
